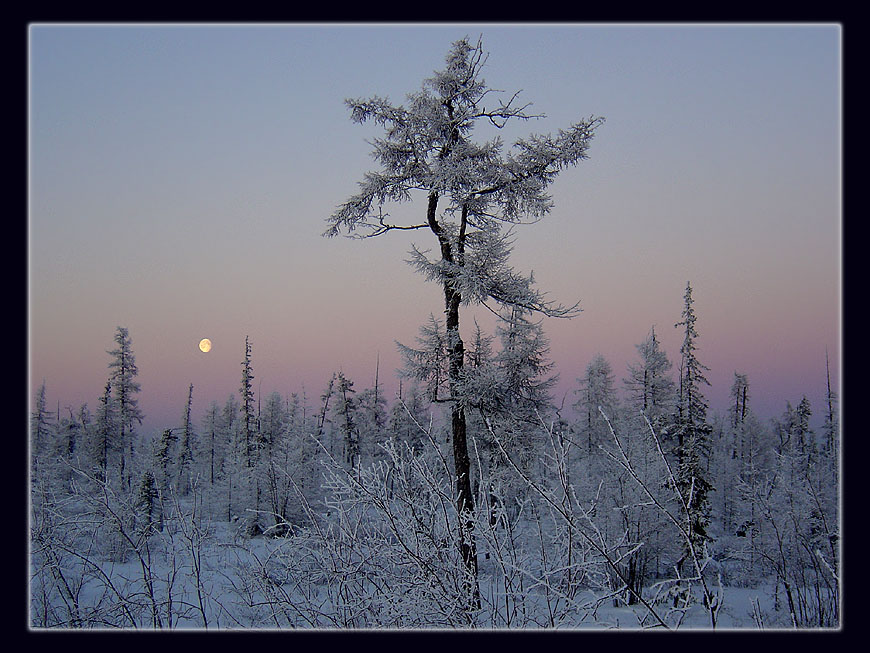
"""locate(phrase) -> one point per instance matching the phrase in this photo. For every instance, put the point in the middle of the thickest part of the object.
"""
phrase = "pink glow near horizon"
(179, 187)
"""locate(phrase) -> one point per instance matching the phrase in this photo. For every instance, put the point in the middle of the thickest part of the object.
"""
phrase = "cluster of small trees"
(108, 439)
(471, 499)
(761, 501)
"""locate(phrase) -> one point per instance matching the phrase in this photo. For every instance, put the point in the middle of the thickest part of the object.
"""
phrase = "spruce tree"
(276, 461)
(693, 435)
(831, 428)
(125, 389)
(732, 449)
(252, 444)
(739, 399)
(345, 416)
(247, 406)
(372, 421)
(803, 431)
(147, 505)
(40, 430)
(517, 405)
(164, 465)
(232, 445)
(524, 365)
(104, 430)
(164, 459)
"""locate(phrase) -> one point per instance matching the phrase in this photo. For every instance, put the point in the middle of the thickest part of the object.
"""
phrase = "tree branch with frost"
(485, 274)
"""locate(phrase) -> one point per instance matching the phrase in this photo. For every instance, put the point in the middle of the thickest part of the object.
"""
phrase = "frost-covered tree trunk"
(458, 424)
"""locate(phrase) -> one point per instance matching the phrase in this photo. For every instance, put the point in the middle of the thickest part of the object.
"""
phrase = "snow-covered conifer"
(41, 428)
(345, 416)
(596, 390)
(428, 364)
(649, 384)
(186, 446)
(692, 433)
(103, 443)
(125, 390)
(247, 407)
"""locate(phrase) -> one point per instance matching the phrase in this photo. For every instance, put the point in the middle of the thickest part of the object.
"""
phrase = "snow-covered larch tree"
(472, 191)
(649, 384)
(650, 402)
(596, 392)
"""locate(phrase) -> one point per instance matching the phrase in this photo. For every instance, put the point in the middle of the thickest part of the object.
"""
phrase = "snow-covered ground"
(217, 583)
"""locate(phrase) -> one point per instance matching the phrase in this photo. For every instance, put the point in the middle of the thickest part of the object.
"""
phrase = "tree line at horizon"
(263, 463)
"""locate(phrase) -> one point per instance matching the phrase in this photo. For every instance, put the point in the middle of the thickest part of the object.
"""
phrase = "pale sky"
(180, 178)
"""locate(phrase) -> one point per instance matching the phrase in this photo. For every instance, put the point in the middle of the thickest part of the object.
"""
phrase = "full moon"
(205, 344)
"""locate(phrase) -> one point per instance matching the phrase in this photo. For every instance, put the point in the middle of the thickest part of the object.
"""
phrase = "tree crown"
(481, 189)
